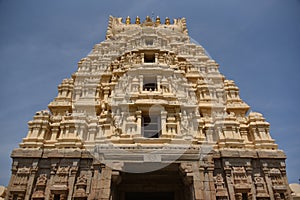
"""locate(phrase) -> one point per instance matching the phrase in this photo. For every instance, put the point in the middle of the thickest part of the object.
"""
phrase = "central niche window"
(150, 83)
(151, 126)
(56, 197)
(149, 42)
(149, 58)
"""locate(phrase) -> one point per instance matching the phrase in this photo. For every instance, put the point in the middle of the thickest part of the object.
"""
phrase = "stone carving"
(62, 175)
(168, 58)
(220, 186)
(240, 178)
(81, 183)
(117, 122)
(187, 167)
(260, 186)
(42, 179)
(180, 25)
(22, 176)
(40, 187)
(184, 122)
(116, 26)
(278, 183)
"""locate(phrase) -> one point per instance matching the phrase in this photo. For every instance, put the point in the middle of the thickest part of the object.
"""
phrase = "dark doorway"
(149, 196)
(167, 183)
(151, 126)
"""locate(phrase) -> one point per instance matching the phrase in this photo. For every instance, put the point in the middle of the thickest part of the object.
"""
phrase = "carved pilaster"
(209, 188)
(201, 183)
(105, 183)
(249, 171)
(31, 178)
(221, 191)
(268, 181)
(53, 170)
(192, 178)
(141, 82)
(14, 170)
(163, 123)
(229, 181)
(139, 123)
(72, 178)
(211, 183)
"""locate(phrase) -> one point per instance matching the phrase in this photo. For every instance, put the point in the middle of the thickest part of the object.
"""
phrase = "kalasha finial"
(128, 21)
(167, 22)
(157, 20)
(137, 20)
(148, 19)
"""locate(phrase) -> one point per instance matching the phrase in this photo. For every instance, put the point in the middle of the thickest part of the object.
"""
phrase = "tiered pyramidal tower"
(148, 115)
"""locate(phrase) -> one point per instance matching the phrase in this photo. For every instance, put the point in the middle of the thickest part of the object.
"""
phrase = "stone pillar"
(143, 57)
(105, 183)
(283, 173)
(139, 123)
(198, 183)
(163, 123)
(158, 83)
(268, 181)
(55, 130)
(178, 132)
(12, 178)
(229, 180)
(141, 79)
(31, 178)
(209, 133)
(193, 179)
(249, 176)
(156, 57)
(51, 179)
(206, 184)
(212, 190)
(95, 183)
(72, 179)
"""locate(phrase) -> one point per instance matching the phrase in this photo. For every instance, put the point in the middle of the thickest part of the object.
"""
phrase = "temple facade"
(148, 115)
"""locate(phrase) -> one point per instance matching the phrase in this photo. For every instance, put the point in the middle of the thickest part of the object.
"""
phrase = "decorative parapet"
(116, 26)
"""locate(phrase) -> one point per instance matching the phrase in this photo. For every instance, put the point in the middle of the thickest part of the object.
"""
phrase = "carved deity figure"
(259, 184)
(118, 119)
(81, 186)
(184, 122)
(219, 182)
(81, 179)
(42, 179)
(238, 196)
(168, 58)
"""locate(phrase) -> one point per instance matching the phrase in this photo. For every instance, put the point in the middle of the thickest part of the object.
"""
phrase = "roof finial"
(128, 21)
(148, 19)
(167, 22)
(157, 20)
(137, 20)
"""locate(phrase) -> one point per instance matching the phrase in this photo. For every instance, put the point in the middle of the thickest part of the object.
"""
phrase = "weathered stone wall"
(73, 174)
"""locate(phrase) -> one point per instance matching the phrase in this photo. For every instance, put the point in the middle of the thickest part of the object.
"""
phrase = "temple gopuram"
(148, 115)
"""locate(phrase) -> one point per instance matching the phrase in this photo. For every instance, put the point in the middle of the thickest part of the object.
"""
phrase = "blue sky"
(256, 43)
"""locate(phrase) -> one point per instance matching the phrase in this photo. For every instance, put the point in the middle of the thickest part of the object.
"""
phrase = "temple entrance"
(149, 196)
(165, 184)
